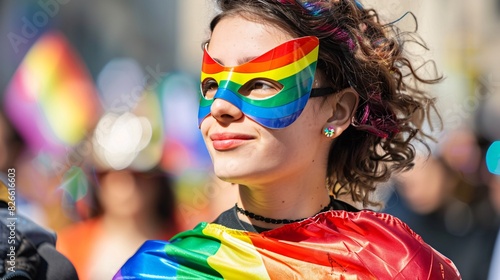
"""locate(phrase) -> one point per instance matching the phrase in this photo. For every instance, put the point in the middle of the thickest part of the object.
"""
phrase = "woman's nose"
(224, 111)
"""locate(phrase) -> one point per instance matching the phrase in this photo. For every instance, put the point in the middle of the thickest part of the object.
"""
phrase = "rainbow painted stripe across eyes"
(291, 65)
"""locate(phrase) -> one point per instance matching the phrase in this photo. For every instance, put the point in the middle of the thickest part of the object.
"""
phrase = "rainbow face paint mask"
(271, 89)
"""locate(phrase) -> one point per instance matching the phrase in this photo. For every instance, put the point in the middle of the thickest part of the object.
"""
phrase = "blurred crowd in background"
(99, 102)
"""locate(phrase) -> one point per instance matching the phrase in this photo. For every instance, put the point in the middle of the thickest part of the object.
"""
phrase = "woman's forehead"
(236, 40)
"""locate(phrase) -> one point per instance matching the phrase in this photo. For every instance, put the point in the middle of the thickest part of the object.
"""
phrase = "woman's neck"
(282, 202)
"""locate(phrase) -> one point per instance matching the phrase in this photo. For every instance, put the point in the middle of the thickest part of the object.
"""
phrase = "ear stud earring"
(329, 132)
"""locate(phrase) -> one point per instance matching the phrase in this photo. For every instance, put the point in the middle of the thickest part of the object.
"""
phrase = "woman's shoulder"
(358, 227)
(365, 223)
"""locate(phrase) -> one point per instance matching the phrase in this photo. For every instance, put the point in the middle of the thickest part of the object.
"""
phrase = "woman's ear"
(344, 104)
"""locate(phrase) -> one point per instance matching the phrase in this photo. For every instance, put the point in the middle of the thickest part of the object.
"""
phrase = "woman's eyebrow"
(240, 61)
(244, 60)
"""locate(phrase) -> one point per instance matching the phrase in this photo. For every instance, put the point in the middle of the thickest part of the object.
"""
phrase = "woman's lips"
(228, 141)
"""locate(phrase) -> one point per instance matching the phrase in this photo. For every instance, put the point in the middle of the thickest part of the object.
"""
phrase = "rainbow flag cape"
(331, 245)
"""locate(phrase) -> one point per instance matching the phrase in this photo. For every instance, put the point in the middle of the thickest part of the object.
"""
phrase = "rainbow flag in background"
(331, 245)
(51, 98)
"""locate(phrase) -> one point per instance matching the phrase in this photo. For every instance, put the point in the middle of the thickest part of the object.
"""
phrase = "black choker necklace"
(279, 221)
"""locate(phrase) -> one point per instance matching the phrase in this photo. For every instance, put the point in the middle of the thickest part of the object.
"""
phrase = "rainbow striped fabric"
(51, 99)
(291, 64)
(331, 245)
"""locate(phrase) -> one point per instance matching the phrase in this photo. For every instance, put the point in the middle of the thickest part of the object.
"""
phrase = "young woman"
(300, 100)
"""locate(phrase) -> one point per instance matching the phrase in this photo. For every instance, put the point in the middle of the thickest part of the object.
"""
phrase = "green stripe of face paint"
(294, 87)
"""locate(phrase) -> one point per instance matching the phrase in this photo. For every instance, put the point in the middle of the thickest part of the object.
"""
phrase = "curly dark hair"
(356, 50)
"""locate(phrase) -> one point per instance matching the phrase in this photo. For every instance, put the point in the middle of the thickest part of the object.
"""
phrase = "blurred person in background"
(487, 124)
(27, 250)
(37, 192)
(131, 197)
(494, 271)
(451, 199)
(35, 256)
(129, 208)
(11, 144)
(448, 212)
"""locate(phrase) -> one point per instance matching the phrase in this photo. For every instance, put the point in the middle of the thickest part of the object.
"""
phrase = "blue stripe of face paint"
(278, 123)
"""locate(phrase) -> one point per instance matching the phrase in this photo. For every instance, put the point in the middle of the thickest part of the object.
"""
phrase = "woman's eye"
(209, 88)
(262, 86)
(260, 89)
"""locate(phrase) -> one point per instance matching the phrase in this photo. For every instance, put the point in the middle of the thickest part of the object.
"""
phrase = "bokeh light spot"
(493, 158)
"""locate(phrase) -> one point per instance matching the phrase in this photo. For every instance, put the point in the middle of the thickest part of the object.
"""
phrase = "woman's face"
(242, 150)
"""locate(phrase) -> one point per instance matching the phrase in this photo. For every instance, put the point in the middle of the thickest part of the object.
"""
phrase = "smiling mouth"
(224, 142)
